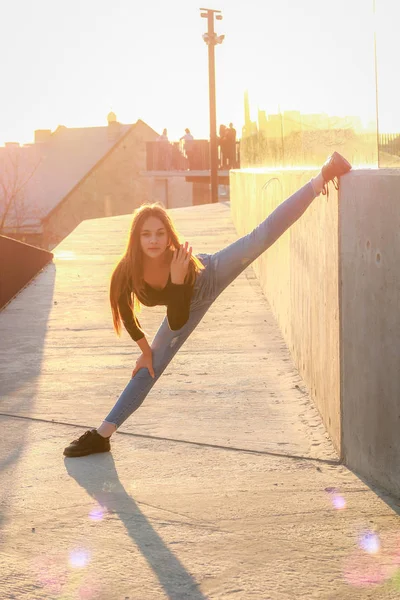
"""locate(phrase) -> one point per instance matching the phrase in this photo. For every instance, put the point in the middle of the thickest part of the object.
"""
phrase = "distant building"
(71, 175)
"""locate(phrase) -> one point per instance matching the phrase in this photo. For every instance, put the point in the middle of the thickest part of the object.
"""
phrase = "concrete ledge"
(20, 263)
(333, 284)
(299, 276)
(369, 241)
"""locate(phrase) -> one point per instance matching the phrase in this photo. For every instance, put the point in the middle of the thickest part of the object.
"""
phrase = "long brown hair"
(129, 269)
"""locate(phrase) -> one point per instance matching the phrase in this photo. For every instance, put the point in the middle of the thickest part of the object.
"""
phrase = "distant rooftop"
(52, 166)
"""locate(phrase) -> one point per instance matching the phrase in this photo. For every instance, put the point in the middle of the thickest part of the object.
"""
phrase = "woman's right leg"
(229, 262)
(223, 268)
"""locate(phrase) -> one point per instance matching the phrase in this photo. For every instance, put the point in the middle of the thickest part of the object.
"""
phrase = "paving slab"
(224, 484)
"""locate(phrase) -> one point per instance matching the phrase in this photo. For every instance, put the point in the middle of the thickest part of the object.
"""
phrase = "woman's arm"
(179, 305)
(129, 320)
(132, 325)
(144, 345)
(180, 292)
(145, 360)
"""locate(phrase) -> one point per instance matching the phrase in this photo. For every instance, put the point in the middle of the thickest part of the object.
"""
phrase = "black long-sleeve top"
(176, 297)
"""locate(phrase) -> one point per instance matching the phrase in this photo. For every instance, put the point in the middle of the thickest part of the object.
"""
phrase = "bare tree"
(15, 174)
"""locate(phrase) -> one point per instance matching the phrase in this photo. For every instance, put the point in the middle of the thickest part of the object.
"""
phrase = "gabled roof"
(52, 169)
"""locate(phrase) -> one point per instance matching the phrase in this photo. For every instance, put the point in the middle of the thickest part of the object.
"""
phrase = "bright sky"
(72, 62)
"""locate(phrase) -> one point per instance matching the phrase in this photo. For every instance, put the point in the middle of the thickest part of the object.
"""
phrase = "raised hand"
(180, 263)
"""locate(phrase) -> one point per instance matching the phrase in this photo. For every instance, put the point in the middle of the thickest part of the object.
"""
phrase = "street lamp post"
(211, 39)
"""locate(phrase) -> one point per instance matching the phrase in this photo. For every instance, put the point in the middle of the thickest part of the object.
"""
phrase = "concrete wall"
(370, 324)
(299, 276)
(333, 282)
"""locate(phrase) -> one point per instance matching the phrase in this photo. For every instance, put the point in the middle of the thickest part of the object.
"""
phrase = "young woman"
(157, 270)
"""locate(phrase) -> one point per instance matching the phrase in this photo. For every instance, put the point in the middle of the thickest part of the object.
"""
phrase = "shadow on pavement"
(388, 498)
(21, 358)
(98, 476)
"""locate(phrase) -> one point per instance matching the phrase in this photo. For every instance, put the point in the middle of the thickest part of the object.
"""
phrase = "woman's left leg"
(229, 262)
(164, 346)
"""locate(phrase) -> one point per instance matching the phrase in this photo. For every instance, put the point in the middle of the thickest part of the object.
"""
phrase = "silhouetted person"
(230, 144)
(222, 146)
(163, 137)
(163, 155)
(189, 147)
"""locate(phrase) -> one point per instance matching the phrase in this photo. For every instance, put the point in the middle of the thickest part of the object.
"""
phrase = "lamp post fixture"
(211, 39)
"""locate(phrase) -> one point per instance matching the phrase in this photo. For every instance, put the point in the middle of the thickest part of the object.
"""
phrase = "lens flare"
(97, 513)
(336, 498)
(79, 558)
(363, 570)
(89, 591)
(376, 560)
(369, 542)
(338, 502)
(396, 579)
(51, 573)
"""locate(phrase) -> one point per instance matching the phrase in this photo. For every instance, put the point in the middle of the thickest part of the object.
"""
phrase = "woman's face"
(153, 237)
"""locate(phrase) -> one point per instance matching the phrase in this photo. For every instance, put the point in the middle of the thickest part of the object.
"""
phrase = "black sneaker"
(89, 443)
(335, 166)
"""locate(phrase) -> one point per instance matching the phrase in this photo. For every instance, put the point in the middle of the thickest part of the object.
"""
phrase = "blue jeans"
(220, 270)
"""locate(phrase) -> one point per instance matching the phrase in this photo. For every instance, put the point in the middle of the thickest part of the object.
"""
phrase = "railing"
(20, 263)
(390, 143)
(175, 156)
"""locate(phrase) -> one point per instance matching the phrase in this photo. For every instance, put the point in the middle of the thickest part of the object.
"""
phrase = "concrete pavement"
(223, 485)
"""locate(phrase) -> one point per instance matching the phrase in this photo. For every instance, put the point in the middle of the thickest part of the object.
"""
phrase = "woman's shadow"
(99, 477)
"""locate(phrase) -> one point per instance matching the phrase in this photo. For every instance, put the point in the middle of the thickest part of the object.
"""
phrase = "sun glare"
(289, 55)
